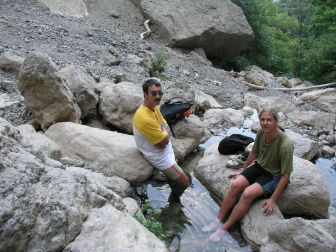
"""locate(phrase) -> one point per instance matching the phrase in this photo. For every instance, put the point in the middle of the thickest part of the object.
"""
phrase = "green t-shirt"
(275, 156)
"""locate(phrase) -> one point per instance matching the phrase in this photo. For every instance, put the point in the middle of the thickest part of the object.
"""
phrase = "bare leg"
(178, 187)
(240, 209)
(230, 199)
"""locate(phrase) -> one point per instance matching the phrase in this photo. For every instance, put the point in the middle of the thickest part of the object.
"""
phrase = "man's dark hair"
(149, 82)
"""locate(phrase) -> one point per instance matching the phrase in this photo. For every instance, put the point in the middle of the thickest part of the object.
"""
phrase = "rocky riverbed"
(70, 81)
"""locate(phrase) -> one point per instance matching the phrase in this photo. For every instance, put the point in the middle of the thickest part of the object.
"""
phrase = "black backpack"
(234, 143)
(176, 109)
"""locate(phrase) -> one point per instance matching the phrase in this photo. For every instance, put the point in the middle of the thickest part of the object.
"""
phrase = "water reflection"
(328, 169)
(185, 220)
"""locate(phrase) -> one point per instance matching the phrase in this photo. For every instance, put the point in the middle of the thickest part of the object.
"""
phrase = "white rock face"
(45, 93)
(74, 8)
(303, 147)
(119, 102)
(111, 153)
(324, 99)
(108, 229)
(296, 235)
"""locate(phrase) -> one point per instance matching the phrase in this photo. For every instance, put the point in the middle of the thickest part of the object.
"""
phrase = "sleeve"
(286, 155)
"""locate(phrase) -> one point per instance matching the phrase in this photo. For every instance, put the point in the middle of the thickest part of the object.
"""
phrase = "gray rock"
(42, 207)
(307, 192)
(219, 27)
(46, 95)
(11, 61)
(259, 77)
(111, 153)
(303, 147)
(296, 235)
(325, 99)
(74, 8)
(314, 119)
(108, 229)
(38, 142)
(255, 226)
(118, 104)
(82, 86)
(258, 103)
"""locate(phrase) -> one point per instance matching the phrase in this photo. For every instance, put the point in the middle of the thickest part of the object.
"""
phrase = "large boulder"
(259, 77)
(219, 27)
(255, 225)
(108, 229)
(315, 119)
(296, 235)
(45, 93)
(303, 147)
(112, 153)
(42, 208)
(325, 99)
(258, 103)
(203, 102)
(82, 86)
(188, 135)
(118, 104)
(306, 194)
(11, 61)
(74, 8)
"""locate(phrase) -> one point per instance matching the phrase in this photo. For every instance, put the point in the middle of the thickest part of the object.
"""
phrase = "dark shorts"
(256, 174)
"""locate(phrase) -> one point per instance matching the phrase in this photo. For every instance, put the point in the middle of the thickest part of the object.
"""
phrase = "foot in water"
(218, 235)
(214, 224)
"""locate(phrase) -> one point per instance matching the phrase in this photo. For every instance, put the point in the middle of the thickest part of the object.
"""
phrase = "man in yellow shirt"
(151, 134)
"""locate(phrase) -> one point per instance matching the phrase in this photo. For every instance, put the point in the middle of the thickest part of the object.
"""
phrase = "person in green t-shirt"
(266, 173)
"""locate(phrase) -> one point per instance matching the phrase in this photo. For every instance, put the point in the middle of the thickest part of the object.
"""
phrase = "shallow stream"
(199, 208)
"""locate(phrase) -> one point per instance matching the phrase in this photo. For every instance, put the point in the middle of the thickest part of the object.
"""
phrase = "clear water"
(328, 169)
(185, 220)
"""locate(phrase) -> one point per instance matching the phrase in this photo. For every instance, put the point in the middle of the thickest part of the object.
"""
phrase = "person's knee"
(182, 182)
(249, 195)
(236, 187)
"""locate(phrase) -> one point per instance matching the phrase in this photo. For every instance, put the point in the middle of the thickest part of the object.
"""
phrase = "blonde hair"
(274, 114)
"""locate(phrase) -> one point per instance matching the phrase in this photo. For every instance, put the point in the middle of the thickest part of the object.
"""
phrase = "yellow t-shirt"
(149, 122)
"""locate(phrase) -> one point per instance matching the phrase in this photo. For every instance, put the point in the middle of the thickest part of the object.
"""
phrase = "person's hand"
(233, 174)
(268, 207)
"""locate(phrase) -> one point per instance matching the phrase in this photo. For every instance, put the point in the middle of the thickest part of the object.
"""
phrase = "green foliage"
(272, 48)
(151, 221)
(292, 37)
(158, 65)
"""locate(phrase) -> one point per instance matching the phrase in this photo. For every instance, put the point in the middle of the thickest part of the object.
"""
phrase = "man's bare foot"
(218, 235)
(214, 224)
